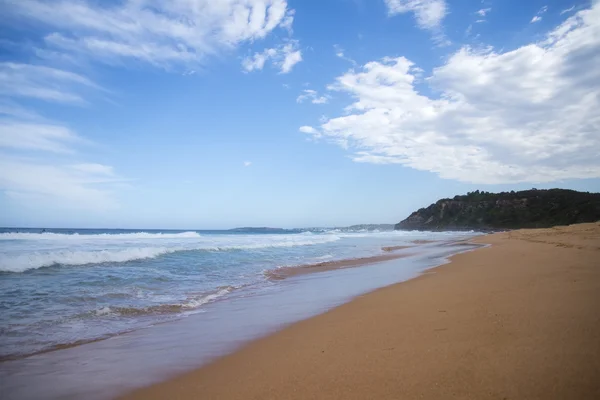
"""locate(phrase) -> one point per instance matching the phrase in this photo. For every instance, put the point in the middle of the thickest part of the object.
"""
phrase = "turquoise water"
(170, 300)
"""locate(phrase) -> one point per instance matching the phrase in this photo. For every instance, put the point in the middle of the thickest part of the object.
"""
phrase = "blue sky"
(198, 114)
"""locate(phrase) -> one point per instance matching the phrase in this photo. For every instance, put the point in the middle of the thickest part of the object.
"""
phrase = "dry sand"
(517, 320)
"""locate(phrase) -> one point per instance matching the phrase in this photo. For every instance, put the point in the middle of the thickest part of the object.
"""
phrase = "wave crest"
(98, 236)
(37, 259)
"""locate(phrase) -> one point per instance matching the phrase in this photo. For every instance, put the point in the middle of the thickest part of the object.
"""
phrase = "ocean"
(68, 296)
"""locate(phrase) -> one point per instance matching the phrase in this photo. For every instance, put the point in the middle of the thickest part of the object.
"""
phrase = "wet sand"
(394, 248)
(516, 320)
(286, 272)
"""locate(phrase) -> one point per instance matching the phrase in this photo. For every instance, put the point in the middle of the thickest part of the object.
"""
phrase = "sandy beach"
(519, 319)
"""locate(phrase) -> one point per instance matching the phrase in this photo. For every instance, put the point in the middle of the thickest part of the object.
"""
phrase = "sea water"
(169, 300)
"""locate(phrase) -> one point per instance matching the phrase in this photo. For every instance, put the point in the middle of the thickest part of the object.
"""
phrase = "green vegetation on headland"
(507, 210)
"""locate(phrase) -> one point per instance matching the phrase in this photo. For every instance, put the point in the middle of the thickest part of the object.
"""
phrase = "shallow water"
(167, 332)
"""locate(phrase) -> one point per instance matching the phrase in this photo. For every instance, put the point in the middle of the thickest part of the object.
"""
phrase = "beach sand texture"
(517, 320)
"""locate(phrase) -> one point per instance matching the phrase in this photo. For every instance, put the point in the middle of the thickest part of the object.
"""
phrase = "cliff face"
(506, 210)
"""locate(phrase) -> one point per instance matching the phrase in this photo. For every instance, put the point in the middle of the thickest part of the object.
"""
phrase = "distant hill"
(250, 229)
(507, 210)
(371, 227)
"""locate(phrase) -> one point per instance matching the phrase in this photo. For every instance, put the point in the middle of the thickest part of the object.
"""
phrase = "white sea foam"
(93, 237)
(191, 303)
(103, 311)
(33, 260)
(98, 253)
(197, 302)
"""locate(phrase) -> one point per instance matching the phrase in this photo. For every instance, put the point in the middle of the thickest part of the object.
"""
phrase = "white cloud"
(428, 13)
(291, 58)
(162, 33)
(536, 18)
(526, 115)
(258, 60)
(310, 131)
(283, 57)
(247, 163)
(313, 97)
(483, 11)
(40, 82)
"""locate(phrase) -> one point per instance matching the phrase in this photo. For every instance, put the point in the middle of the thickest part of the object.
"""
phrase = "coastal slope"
(506, 210)
(515, 320)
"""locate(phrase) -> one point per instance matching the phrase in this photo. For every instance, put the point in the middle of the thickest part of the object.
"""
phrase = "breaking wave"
(100, 236)
(39, 259)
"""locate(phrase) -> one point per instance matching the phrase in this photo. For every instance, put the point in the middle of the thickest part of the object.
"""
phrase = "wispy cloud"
(36, 153)
(41, 82)
(283, 57)
(11, 109)
(525, 115)
(36, 136)
(39, 183)
(568, 10)
(162, 33)
(312, 96)
(538, 17)
(483, 12)
(36, 165)
(95, 169)
(247, 163)
(340, 53)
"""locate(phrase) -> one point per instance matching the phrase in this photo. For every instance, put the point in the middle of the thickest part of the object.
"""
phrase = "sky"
(212, 114)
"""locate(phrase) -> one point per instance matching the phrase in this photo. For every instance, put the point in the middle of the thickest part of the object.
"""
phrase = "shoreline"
(391, 253)
(458, 330)
(178, 346)
(276, 274)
